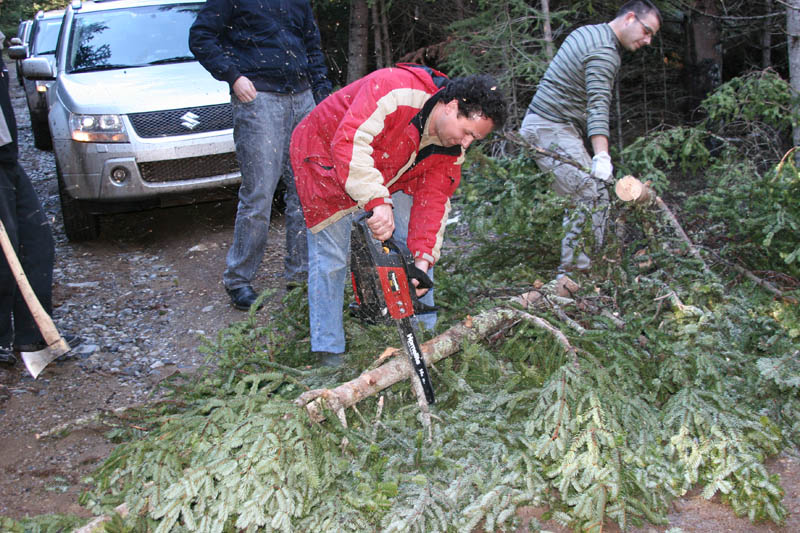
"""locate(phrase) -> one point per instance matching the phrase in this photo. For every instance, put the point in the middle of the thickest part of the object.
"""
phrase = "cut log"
(630, 189)
(371, 382)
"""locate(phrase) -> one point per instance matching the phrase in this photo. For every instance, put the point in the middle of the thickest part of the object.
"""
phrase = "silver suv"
(22, 38)
(41, 43)
(136, 121)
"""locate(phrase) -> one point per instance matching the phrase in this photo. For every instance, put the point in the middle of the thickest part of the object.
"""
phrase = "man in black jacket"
(29, 232)
(268, 51)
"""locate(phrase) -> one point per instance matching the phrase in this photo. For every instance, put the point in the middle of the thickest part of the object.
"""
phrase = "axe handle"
(43, 320)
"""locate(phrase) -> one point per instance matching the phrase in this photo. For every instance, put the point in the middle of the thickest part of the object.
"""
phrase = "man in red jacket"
(391, 143)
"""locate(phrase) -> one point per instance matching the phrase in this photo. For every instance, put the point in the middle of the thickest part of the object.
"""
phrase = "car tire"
(41, 134)
(79, 223)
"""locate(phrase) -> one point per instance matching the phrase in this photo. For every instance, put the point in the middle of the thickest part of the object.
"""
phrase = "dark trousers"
(30, 234)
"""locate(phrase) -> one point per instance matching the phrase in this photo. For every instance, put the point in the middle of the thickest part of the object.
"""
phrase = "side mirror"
(38, 68)
(18, 51)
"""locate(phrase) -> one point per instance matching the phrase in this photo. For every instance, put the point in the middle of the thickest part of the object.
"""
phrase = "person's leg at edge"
(36, 255)
(402, 216)
(8, 286)
(296, 260)
(259, 150)
(327, 272)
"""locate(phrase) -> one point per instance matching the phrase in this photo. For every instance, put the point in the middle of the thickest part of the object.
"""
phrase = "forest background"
(673, 365)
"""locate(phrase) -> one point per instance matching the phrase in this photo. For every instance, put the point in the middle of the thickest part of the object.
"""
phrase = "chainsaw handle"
(412, 270)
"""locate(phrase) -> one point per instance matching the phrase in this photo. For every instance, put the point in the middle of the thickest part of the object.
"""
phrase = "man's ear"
(630, 18)
(452, 107)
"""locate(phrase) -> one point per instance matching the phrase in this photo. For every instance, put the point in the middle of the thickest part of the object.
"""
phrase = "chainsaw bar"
(415, 354)
(383, 293)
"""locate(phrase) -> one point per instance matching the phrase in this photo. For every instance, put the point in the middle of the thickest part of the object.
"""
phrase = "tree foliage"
(12, 12)
(738, 160)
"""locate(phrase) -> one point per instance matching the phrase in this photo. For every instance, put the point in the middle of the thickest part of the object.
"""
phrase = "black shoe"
(73, 340)
(243, 297)
(7, 357)
(330, 359)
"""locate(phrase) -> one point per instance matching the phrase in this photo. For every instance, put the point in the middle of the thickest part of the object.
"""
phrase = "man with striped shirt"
(572, 104)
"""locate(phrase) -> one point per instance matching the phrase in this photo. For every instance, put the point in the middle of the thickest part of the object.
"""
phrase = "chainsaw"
(381, 274)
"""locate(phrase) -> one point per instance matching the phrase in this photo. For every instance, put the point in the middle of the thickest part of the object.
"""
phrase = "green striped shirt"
(577, 85)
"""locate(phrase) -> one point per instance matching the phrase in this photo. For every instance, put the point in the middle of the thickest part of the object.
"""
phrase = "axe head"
(36, 361)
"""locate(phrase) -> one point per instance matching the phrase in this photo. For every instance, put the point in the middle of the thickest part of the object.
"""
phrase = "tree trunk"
(358, 44)
(387, 43)
(548, 29)
(704, 65)
(766, 37)
(462, 13)
(376, 35)
(793, 39)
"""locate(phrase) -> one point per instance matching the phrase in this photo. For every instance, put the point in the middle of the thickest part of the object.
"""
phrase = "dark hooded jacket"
(274, 43)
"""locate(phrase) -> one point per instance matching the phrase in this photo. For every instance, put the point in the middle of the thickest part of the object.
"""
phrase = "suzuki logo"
(190, 120)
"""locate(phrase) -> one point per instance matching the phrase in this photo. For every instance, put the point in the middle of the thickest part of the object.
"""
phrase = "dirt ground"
(142, 296)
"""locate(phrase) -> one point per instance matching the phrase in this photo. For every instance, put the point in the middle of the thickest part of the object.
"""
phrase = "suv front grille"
(190, 168)
(182, 121)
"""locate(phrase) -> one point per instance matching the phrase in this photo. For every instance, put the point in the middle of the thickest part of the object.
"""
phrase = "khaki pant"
(588, 193)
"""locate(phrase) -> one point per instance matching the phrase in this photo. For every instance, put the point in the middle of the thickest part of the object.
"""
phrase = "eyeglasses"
(647, 29)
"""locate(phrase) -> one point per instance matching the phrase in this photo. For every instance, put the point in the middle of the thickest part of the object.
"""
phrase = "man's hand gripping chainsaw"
(381, 274)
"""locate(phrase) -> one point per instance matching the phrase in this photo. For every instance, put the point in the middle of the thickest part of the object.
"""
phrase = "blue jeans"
(328, 252)
(261, 131)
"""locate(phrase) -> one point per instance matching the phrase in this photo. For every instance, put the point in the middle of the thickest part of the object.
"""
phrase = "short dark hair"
(641, 8)
(477, 94)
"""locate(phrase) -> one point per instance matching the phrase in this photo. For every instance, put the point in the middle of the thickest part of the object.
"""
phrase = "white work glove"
(601, 166)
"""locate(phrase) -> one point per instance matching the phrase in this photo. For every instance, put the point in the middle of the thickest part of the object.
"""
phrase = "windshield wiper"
(176, 59)
(101, 67)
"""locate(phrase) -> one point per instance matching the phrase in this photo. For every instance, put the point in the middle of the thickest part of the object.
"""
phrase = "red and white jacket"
(362, 143)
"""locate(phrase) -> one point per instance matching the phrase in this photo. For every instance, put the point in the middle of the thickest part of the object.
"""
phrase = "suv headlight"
(97, 128)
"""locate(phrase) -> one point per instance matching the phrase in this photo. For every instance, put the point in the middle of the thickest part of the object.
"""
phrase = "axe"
(56, 345)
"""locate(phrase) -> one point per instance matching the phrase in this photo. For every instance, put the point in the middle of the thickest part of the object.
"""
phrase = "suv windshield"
(45, 36)
(133, 37)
